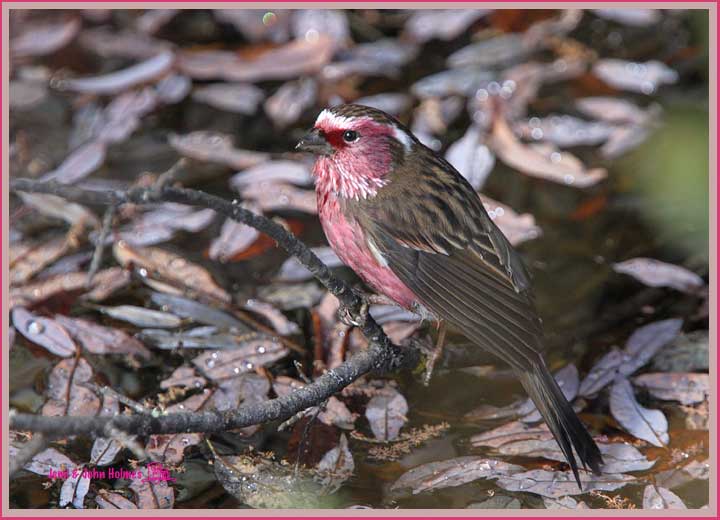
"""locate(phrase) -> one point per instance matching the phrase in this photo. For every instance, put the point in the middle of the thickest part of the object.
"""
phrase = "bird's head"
(357, 149)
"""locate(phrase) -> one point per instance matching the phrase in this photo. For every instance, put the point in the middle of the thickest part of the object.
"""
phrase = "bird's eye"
(350, 136)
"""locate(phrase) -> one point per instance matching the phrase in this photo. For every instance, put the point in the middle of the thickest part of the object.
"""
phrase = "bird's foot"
(436, 353)
(352, 317)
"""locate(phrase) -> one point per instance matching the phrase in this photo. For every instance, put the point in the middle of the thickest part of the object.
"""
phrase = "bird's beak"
(314, 142)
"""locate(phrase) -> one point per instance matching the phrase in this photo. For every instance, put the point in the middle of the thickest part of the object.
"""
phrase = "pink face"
(361, 154)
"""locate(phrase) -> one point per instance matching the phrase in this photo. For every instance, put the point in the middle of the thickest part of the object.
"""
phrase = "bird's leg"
(436, 353)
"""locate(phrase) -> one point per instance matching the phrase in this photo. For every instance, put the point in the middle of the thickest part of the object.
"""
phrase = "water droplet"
(481, 94)
(536, 133)
(494, 88)
(185, 441)
(210, 363)
(534, 121)
(312, 35)
(261, 350)
(143, 272)
(647, 87)
(35, 327)
(499, 212)
(214, 355)
(569, 179)
(269, 19)
(249, 365)
(236, 370)
(555, 157)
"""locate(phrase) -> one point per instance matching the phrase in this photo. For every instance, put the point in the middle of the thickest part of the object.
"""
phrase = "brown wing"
(436, 236)
(456, 260)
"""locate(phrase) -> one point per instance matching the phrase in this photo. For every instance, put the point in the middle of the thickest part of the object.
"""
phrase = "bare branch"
(381, 356)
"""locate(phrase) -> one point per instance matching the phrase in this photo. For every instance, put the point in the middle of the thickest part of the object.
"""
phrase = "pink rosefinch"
(415, 230)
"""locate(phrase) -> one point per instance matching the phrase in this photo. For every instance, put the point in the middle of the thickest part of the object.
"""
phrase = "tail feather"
(560, 417)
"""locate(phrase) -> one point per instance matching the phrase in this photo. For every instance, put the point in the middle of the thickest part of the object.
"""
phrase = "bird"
(414, 230)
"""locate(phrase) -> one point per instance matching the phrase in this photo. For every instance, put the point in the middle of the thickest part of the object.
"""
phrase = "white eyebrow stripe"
(333, 119)
(405, 139)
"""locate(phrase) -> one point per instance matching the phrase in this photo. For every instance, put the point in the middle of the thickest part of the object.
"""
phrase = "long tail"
(564, 424)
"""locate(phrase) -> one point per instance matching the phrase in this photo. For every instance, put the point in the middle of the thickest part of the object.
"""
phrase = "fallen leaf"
(644, 78)
(336, 466)
(183, 377)
(504, 49)
(252, 354)
(471, 157)
(140, 316)
(277, 319)
(151, 261)
(74, 489)
(37, 257)
(646, 341)
(517, 228)
(43, 38)
(643, 423)
(293, 271)
(557, 484)
(514, 431)
(614, 110)
(451, 473)
(215, 147)
(640, 348)
(161, 223)
(249, 22)
(239, 98)
(121, 80)
(235, 237)
(383, 57)
(655, 273)
(170, 449)
(173, 88)
(296, 58)
(197, 311)
(104, 450)
(308, 24)
(152, 494)
(98, 339)
(79, 164)
(66, 393)
(112, 500)
(48, 460)
(661, 498)
(57, 207)
(617, 457)
(441, 24)
(279, 196)
(104, 284)
(269, 172)
(687, 388)
(544, 163)
(290, 101)
(111, 43)
(45, 332)
(565, 131)
(453, 82)
(387, 414)
(631, 17)
(563, 503)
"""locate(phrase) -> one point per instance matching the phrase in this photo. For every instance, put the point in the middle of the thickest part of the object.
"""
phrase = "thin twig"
(100, 244)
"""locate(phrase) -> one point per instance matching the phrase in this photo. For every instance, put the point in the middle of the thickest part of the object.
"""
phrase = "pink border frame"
(714, 194)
